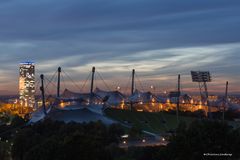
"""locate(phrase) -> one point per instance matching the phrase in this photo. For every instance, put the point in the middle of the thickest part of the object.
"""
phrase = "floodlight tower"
(202, 77)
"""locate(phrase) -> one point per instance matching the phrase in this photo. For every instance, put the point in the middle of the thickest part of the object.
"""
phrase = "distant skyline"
(160, 39)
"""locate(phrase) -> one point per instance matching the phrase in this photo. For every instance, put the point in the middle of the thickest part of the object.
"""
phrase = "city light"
(27, 84)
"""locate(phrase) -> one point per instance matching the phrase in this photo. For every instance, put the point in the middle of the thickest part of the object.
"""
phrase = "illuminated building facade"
(27, 84)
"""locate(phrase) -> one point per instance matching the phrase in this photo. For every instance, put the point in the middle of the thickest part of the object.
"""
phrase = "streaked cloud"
(160, 39)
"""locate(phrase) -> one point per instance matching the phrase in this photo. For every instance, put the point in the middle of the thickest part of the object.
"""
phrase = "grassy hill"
(152, 122)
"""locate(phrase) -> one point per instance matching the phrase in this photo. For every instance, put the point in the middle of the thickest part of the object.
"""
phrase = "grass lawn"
(152, 122)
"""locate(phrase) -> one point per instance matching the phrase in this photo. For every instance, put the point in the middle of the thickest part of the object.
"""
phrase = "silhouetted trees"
(50, 140)
(191, 142)
(4, 150)
(135, 132)
(204, 137)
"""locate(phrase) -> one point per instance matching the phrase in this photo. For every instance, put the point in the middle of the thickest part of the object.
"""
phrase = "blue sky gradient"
(159, 38)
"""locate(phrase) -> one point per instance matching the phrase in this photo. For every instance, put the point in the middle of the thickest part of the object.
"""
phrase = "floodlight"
(201, 76)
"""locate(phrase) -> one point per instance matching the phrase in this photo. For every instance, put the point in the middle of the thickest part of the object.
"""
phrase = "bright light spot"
(153, 100)
(192, 101)
(118, 87)
(168, 100)
(122, 104)
(125, 136)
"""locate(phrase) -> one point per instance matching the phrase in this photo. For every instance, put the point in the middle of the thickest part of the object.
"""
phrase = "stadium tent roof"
(75, 111)
(38, 115)
(162, 99)
(144, 97)
(232, 106)
(78, 115)
(229, 106)
(113, 97)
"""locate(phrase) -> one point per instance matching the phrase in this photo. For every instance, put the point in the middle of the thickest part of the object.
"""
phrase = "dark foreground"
(49, 140)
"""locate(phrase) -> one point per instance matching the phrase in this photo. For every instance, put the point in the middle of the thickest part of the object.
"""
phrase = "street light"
(118, 88)
(152, 88)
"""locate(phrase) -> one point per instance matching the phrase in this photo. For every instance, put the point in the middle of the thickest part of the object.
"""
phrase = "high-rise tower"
(27, 84)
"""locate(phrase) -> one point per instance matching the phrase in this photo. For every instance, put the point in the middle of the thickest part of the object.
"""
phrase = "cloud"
(156, 37)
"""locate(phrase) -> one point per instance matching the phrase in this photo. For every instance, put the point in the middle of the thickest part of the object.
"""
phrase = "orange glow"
(15, 109)
(122, 104)
(191, 101)
(168, 100)
(153, 102)
(62, 105)
(161, 106)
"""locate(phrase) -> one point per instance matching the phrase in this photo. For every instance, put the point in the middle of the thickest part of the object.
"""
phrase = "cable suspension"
(73, 82)
(85, 82)
(128, 83)
(63, 81)
(50, 81)
(139, 82)
(103, 81)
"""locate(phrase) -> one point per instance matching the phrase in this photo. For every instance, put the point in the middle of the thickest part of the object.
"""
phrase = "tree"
(51, 140)
(4, 150)
(135, 132)
(115, 132)
(17, 121)
(203, 137)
